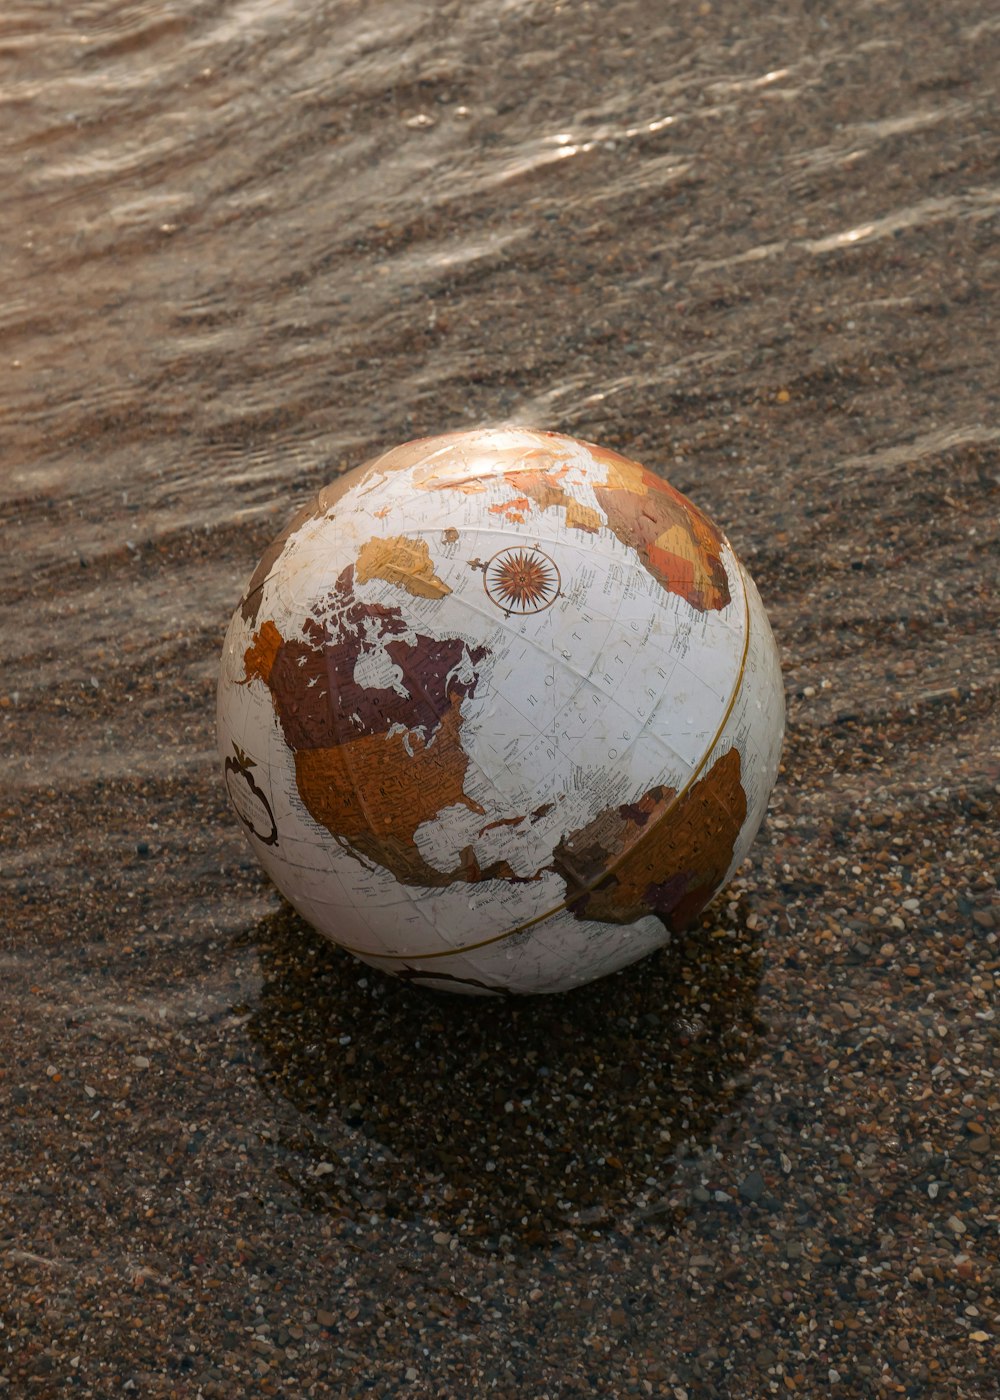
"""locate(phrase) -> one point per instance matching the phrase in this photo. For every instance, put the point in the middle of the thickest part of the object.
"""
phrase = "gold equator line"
(540, 918)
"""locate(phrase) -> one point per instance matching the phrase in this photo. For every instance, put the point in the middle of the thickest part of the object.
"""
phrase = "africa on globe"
(500, 711)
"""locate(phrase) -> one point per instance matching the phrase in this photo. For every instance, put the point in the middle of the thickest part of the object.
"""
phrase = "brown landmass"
(629, 862)
(311, 679)
(372, 764)
(373, 793)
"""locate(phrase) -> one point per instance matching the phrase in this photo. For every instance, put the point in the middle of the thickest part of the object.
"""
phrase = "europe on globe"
(500, 711)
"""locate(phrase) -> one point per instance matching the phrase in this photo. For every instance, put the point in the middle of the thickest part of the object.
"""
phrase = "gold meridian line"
(540, 918)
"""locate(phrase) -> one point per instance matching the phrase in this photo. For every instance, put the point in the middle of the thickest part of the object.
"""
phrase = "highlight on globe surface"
(500, 711)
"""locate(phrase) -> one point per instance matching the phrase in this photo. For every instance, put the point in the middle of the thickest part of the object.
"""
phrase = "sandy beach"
(247, 246)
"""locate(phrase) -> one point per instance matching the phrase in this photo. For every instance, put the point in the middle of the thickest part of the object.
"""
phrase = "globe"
(500, 711)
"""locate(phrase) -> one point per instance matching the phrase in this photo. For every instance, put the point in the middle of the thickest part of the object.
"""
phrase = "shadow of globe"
(502, 1121)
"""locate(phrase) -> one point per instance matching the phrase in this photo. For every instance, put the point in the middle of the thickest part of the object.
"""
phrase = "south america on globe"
(500, 711)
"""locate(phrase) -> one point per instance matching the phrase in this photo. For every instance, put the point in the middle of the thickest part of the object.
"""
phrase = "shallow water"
(247, 245)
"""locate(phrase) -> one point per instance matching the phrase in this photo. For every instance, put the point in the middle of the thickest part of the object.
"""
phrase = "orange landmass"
(373, 794)
(680, 546)
(512, 510)
(660, 855)
(404, 562)
(372, 790)
(259, 657)
(546, 490)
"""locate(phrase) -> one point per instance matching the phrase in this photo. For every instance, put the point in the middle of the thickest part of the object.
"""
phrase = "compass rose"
(521, 581)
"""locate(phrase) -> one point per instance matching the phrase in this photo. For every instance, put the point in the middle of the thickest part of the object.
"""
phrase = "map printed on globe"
(500, 711)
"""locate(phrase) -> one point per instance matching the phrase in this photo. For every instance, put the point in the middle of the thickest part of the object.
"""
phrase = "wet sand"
(248, 246)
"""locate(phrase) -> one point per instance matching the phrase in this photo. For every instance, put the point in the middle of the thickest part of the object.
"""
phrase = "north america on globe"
(513, 704)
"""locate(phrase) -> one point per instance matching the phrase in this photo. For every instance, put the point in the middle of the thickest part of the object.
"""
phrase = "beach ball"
(500, 711)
